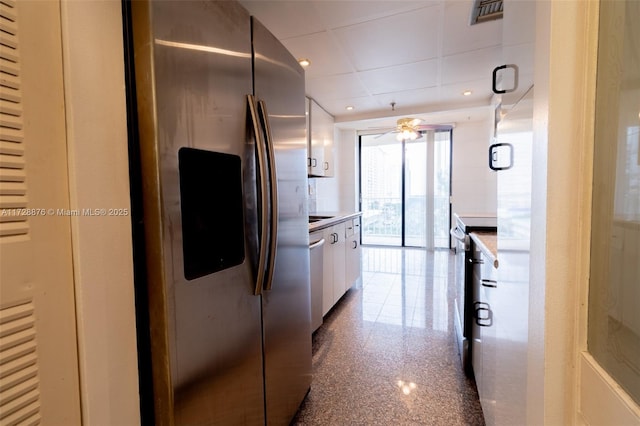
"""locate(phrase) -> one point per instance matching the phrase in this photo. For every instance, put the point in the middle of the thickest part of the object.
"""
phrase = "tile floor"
(386, 353)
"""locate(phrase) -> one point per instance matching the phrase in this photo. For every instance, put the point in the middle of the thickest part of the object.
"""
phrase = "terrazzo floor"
(386, 353)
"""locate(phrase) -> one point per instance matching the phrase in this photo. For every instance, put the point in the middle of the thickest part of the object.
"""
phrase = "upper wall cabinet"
(514, 77)
(320, 141)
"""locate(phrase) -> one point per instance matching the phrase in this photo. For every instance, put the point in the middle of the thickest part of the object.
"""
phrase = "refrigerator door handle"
(262, 198)
(273, 191)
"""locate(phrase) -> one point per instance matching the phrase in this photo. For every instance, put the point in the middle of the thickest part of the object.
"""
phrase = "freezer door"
(193, 72)
(279, 84)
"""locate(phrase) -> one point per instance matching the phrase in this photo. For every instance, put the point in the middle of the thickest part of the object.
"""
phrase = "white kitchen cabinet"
(341, 260)
(483, 351)
(334, 266)
(339, 263)
(327, 270)
(320, 141)
(353, 252)
(500, 335)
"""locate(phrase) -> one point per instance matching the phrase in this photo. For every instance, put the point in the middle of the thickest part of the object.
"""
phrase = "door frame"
(558, 386)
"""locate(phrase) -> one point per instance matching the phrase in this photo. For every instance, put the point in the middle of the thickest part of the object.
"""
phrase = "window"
(405, 188)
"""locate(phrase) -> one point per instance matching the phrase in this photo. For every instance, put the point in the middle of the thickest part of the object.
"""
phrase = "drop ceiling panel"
(336, 14)
(402, 77)
(480, 91)
(362, 105)
(398, 39)
(470, 66)
(342, 86)
(410, 98)
(326, 56)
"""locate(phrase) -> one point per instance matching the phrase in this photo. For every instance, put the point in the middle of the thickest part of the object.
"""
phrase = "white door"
(38, 350)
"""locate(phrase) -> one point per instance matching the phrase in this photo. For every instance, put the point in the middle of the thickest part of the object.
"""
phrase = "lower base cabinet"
(328, 269)
(353, 253)
(342, 260)
(483, 352)
(500, 336)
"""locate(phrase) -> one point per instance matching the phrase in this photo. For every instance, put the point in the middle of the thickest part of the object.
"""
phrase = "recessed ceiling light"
(304, 62)
(467, 92)
(349, 107)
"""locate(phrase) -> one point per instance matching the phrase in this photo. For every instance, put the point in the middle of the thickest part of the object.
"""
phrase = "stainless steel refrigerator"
(221, 112)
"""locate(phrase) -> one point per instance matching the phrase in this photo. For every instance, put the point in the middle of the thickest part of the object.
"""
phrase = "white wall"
(99, 178)
(473, 184)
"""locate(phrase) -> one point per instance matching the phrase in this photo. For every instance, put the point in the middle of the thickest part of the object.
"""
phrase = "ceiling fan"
(406, 129)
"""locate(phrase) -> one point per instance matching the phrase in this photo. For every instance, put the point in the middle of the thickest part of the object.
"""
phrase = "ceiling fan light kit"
(406, 128)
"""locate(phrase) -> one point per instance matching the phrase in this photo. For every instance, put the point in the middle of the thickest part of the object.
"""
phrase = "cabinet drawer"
(352, 227)
(489, 272)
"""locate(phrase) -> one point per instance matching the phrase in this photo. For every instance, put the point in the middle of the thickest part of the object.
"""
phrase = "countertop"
(331, 219)
(487, 242)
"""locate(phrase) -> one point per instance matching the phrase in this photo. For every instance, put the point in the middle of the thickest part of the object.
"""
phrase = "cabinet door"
(315, 145)
(489, 296)
(353, 253)
(320, 141)
(510, 302)
(339, 262)
(327, 270)
(328, 162)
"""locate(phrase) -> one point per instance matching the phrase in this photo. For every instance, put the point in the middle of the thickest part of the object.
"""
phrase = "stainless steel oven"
(463, 309)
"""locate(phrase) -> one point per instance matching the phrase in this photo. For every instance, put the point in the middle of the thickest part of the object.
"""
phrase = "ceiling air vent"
(485, 10)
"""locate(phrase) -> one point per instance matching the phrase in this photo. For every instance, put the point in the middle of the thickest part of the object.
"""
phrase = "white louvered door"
(38, 349)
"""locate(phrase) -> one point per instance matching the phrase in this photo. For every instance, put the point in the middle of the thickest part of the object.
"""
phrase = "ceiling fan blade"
(425, 127)
(385, 133)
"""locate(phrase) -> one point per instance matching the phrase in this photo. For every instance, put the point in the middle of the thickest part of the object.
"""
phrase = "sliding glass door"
(381, 168)
(415, 194)
(441, 210)
(405, 190)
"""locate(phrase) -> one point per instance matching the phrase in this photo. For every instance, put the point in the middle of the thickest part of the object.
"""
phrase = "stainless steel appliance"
(463, 301)
(221, 112)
